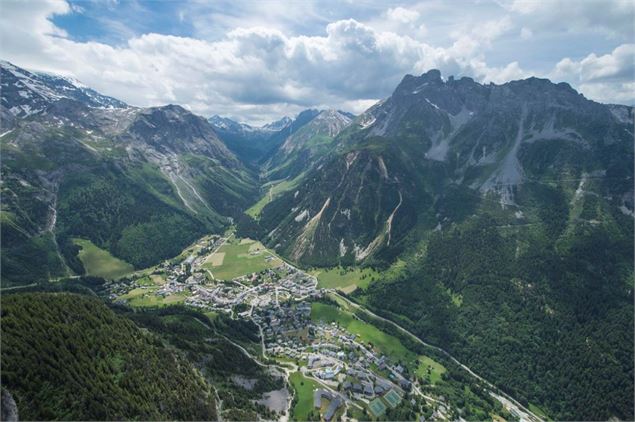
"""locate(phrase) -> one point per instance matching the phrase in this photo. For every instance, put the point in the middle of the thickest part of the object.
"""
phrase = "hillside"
(513, 207)
(141, 183)
(300, 151)
(67, 356)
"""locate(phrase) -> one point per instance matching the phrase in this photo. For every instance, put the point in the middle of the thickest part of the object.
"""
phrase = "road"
(508, 401)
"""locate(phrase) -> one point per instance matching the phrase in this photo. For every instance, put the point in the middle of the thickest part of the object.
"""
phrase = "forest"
(552, 326)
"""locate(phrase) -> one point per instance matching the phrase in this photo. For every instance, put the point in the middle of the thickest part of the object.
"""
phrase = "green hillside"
(66, 356)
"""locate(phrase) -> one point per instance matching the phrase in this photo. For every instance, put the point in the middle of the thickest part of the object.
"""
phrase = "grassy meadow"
(238, 257)
(99, 262)
(345, 279)
(304, 388)
(368, 333)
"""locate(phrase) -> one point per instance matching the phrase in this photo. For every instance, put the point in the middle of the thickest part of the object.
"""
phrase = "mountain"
(249, 143)
(25, 93)
(254, 145)
(279, 125)
(510, 208)
(70, 356)
(434, 151)
(142, 183)
(314, 139)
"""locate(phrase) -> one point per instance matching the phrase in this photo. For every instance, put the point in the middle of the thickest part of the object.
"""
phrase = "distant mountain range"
(434, 152)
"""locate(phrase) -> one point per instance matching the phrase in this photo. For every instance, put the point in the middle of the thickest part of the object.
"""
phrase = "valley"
(458, 251)
(311, 333)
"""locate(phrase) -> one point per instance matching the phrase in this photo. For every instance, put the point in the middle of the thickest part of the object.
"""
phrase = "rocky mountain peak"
(25, 93)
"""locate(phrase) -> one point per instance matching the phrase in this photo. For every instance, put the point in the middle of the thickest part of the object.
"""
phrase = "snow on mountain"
(25, 93)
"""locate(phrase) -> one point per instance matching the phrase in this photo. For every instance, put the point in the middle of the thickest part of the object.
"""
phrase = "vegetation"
(66, 356)
(242, 257)
(302, 406)
(346, 279)
(147, 297)
(385, 343)
(430, 370)
(101, 263)
(204, 342)
(272, 190)
(529, 306)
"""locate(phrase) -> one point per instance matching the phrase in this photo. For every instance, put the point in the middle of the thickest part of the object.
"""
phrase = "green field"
(101, 263)
(272, 190)
(345, 279)
(147, 298)
(368, 333)
(241, 258)
(304, 392)
(538, 411)
(430, 369)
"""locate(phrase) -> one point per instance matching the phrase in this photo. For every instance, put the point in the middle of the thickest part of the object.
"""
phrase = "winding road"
(506, 400)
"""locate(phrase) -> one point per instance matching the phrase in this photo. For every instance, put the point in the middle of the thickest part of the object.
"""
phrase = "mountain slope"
(311, 141)
(447, 147)
(142, 183)
(512, 206)
(25, 93)
(96, 366)
(249, 143)
(255, 145)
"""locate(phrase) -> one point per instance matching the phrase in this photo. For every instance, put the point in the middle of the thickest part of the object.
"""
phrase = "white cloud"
(614, 17)
(400, 14)
(609, 77)
(261, 72)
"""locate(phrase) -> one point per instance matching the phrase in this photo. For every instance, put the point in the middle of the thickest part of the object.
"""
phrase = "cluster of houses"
(277, 300)
(335, 402)
(260, 292)
(348, 369)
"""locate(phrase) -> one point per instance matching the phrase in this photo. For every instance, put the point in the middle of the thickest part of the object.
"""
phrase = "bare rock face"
(434, 152)
(8, 408)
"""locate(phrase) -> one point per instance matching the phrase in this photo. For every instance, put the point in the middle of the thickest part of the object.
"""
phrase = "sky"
(256, 61)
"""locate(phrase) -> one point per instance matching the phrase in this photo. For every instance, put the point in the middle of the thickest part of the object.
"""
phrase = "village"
(350, 373)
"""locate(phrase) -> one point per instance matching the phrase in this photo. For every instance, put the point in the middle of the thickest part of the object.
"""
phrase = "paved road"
(508, 401)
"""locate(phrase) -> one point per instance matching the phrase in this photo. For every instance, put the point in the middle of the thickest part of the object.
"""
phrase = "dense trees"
(66, 356)
(551, 325)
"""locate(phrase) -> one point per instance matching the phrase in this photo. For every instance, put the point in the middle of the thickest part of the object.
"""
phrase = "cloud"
(526, 33)
(613, 17)
(259, 71)
(608, 78)
(402, 15)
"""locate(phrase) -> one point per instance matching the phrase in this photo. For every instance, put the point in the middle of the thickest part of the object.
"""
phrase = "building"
(333, 406)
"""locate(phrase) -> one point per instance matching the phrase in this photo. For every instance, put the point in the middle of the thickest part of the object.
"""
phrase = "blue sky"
(258, 60)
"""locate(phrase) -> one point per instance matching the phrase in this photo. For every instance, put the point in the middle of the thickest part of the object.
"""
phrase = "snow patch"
(366, 121)
(432, 104)
(626, 211)
(350, 158)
